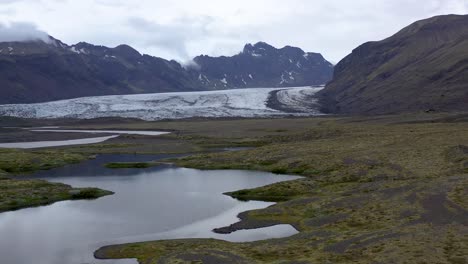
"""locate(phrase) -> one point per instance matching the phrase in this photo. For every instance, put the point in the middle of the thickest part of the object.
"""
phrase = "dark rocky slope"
(37, 71)
(262, 65)
(424, 67)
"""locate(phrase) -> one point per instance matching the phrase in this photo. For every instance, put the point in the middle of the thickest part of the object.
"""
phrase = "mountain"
(423, 67)
(38, 71)
(262, 65)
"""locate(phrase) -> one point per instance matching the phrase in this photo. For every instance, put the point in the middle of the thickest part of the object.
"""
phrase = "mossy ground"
(18, 193)
(376, 190)
(27, 161)
(386, 189)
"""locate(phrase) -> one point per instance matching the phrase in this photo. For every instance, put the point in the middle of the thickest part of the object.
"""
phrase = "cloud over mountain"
(21, 31)
(171, 29)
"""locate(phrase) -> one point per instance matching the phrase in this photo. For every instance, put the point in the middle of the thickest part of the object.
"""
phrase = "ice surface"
(251, 102)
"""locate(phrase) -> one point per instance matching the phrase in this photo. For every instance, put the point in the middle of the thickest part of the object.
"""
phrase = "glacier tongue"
(253, 102)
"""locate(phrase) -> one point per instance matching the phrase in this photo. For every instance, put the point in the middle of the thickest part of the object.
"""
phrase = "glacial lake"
(164, 202)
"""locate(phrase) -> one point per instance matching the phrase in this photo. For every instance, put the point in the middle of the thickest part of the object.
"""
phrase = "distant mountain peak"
(55, 42)
(262, 48)
(127, 52)
(262, 65)
(258, 49)
(33, 46)
(88, 46)
(293, 51)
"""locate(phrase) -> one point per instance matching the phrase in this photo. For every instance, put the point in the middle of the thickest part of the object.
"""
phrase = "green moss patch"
(16, 194)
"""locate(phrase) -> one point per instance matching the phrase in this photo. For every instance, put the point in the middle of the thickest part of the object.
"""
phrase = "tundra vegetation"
(17, 193)
(387, 189)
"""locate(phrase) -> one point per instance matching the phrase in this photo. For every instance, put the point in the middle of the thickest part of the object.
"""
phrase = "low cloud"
(173, 37)
(181, 37)
(21, 31)
(185, 28)
(191, 65)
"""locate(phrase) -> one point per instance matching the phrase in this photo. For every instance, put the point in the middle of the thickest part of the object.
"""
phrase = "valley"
(385, 188)
(265, 156)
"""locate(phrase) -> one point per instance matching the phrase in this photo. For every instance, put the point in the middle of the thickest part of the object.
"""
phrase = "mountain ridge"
(37, 71)
(287, 66)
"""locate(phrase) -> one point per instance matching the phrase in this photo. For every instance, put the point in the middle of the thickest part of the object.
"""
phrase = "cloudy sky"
(184, 28)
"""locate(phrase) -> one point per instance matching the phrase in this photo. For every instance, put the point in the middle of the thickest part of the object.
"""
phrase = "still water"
(56, 143)
(84, 141)
(149, 204)
(128, 132)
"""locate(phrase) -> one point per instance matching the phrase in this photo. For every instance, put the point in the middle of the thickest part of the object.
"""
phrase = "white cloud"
(173, 36)
(186, 28)
(21, 31)
(179, 34)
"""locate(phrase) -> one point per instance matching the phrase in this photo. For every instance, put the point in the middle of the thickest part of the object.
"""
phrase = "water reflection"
(153, 203)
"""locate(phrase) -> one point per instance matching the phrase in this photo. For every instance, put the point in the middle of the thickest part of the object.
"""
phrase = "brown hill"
(422, 67)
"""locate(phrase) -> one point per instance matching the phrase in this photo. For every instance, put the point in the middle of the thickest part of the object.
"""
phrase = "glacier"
(251, 102)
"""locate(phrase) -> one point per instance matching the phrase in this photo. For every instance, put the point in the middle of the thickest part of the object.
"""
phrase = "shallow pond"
(149, 204)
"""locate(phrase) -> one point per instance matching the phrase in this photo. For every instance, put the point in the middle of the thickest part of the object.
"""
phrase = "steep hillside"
(424, 67)
(36, 71)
